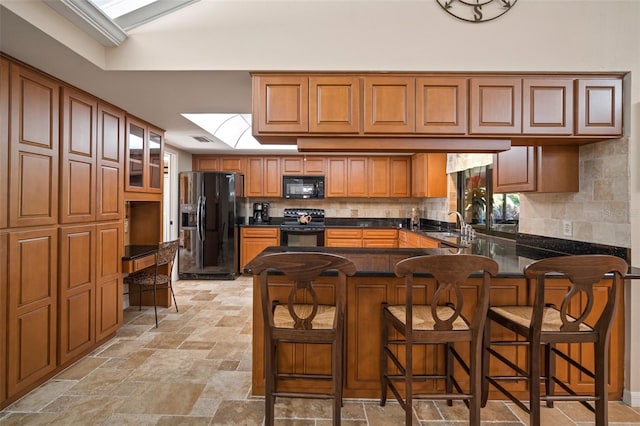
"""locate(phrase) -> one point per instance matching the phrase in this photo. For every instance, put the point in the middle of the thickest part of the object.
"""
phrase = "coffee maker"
(260, 212)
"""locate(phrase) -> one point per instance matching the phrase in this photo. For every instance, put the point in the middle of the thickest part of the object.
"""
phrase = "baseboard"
(632, 399)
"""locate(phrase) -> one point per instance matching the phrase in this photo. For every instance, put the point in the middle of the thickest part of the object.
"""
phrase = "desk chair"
(152, 281)
(301, 319)
(439, 323)
(544, 325)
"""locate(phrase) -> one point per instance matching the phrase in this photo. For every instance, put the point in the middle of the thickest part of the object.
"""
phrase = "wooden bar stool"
(439, 323)
(543, 325)
(303, 320)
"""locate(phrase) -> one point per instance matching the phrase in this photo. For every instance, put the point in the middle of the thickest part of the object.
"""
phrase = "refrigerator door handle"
(201, 217)
(198, 222)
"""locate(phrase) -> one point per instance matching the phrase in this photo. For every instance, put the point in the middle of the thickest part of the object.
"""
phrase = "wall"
(599, 212)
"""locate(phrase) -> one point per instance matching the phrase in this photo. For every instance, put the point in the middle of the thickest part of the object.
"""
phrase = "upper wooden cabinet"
(389, 104)
(527, 109)
(281, 104)
(496, 105)
(334, 104)
(144, 161)
(337, 177)
(34, 148)
(363, 176)
(599, 107)
(303, 165)
(429, 175)
(263, 178)
(539, 169)
(110, 162)
(547, 106)
(441, 105)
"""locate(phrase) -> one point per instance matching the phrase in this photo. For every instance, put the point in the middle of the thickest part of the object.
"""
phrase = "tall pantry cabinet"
(60, 225)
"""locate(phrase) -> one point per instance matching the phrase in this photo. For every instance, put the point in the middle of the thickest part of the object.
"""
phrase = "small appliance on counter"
(261, 213)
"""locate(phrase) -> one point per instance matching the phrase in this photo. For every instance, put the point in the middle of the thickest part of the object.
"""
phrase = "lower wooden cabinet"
(3, 314)
(32, 307)
(380, 238)
(255, 239)
(76, 291)
(343, 237)
(109, 292)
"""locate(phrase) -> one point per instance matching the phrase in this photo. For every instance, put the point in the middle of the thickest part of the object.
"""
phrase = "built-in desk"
(137, 258)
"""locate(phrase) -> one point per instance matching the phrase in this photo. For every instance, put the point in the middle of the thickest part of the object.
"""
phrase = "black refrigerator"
(208, 231)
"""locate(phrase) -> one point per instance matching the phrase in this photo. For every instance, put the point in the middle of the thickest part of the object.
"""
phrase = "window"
(476, 197)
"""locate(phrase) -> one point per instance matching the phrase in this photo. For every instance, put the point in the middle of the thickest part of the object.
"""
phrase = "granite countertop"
(510, 257)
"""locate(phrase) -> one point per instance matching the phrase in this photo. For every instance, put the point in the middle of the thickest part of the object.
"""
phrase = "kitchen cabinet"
(399, 177)
(34, 148)
(599, 110)
(263, 177)
(78, 157)
(255, 239)
(389, 177)
(357, 185)
(144, 163)
(31, 307)
(280, 104)
(109, 287)
(77, 291)
(4, 145)
(539, 169)
(408, 239)
(379, 177)
(343, 237)
(389, 104)
(218, 163)
(110, 163)
(337, 177)
(303, 166)
(495, 105)
(334, 104)
(441, 105)
(547, 106)
(380, 238)
(429, 175)
(3, 314)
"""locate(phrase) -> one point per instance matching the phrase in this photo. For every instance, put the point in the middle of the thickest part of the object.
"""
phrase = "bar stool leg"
(383, 358)
(550, 371)
(486, 339)
(448, 367)
(601, 350)
(534, 382)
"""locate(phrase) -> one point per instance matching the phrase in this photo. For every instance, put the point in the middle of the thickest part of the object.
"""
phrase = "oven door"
(302, 237)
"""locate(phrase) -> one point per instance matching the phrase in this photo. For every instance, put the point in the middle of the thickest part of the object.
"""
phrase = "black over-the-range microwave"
(303, 186)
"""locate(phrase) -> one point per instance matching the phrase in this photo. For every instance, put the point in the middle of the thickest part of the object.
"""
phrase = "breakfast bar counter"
(375, 282)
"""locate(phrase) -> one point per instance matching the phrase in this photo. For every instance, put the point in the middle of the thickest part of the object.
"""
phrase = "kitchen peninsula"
(375, 283)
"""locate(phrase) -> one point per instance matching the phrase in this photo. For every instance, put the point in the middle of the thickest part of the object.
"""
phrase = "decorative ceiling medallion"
(477, 10)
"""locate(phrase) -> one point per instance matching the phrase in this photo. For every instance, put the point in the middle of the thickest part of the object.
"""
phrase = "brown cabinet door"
(4, 146)
(429, 175)
(292, 166)
(496, 105)
(389, 104)
(135, 155)
(441, 105)
(32, 307)
(599, 107)
(314, 165)
(78, 157)
(204, 163)
(336, 185)
(77, 291)
(110, 163)
(378, 181)
(109, 299)
(254, 181)
(334, 104)
(3, 314)
(280, 104)
(558, 168)
(253, 241)
(155, 160)
(232, 164)
(399, 177)
(357, 185)
(547, 106)
(514, 170)
(272, 178)
(34, 148)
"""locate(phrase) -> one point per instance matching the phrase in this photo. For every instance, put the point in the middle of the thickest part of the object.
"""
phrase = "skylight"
(116, 8)
(232, 129)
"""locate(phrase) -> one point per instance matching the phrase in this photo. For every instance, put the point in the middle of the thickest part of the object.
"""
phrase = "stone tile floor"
(195, 369)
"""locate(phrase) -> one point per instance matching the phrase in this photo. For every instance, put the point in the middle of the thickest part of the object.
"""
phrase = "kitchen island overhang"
(375, 283)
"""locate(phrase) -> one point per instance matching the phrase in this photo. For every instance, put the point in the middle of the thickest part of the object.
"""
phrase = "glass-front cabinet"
(144, 157)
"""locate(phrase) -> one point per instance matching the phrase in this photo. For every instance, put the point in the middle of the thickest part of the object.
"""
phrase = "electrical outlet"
(567, 228)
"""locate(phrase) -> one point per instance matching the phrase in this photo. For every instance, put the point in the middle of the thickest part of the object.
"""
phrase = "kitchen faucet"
(465, 230)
